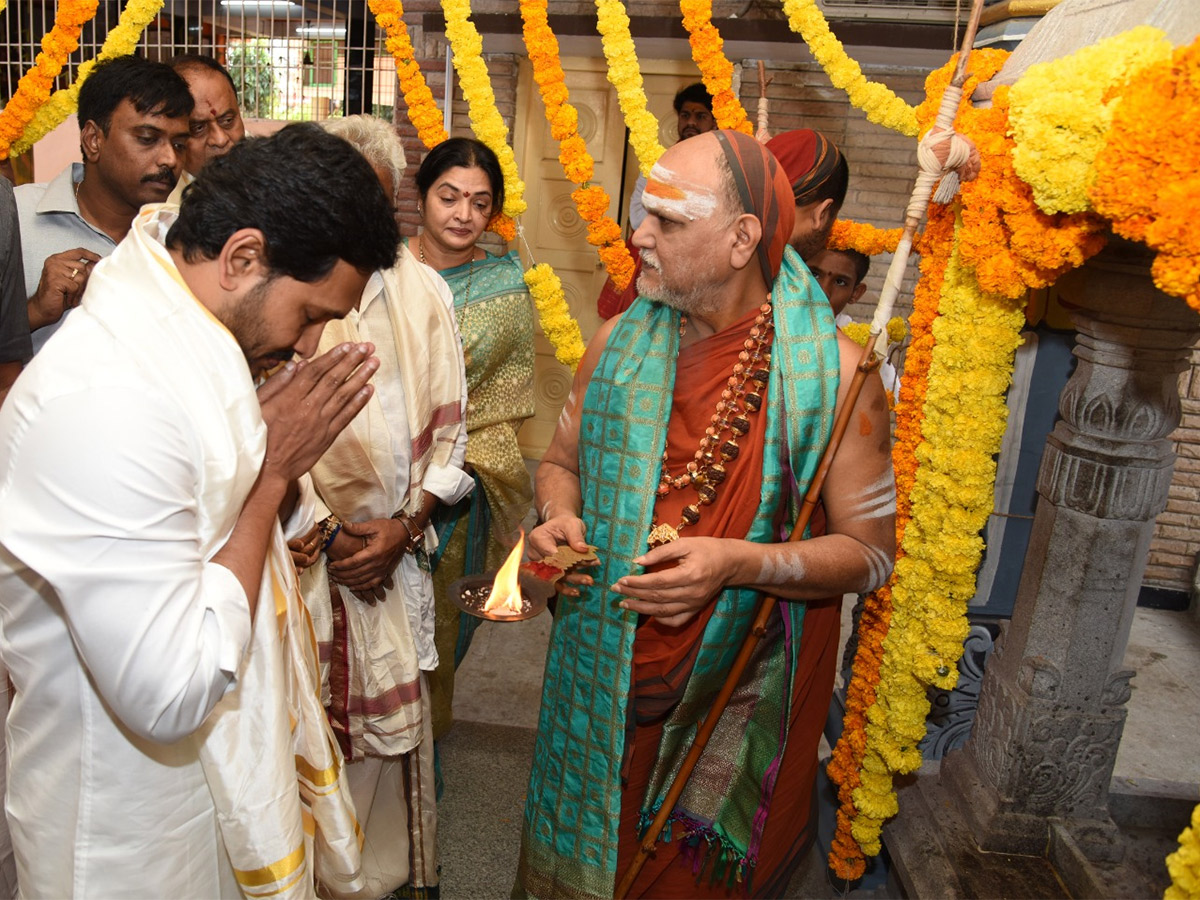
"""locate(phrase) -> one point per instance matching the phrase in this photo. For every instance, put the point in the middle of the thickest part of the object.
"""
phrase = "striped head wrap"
(765, 193)
(810, 160)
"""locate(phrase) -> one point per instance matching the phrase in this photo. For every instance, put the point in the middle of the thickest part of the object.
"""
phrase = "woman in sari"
(461, 187)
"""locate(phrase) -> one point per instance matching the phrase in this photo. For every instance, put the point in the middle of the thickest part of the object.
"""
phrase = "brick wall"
(1177, 532)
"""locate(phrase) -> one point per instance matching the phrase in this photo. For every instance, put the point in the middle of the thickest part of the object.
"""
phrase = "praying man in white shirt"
(165, 738)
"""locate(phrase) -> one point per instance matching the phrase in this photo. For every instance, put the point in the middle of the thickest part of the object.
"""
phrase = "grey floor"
(486, 756)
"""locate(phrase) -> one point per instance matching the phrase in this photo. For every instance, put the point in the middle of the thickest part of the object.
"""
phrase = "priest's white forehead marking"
(666, 192)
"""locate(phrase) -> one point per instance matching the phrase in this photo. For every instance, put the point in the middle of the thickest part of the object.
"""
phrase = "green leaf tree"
(249, 64)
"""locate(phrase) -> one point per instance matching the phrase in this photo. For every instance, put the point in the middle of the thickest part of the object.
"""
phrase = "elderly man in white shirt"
(164, 739)
(371, 593)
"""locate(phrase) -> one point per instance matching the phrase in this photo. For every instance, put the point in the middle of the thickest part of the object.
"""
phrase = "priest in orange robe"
(696, 423)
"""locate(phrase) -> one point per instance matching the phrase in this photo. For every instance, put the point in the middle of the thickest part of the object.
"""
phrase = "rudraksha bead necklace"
(741, 398)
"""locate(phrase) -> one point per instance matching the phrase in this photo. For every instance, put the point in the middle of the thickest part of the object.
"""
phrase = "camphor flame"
(506, 588)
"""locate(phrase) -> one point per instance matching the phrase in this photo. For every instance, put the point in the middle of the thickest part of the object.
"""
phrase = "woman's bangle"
(330, 526)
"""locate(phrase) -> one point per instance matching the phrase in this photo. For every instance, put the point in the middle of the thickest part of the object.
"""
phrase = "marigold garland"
(859, 789)
(1184, 864)
(590, 199)
(1149, 170)
(34, 87)
(846, 857)
(1059, 116)
(863, 237)
(423, 111)
(964, 419)
(1010, 243)
(880, 104)
(486, 121)
(859, 332)
(624, 74)
(715, 68)
(121, 41)
(555, 316)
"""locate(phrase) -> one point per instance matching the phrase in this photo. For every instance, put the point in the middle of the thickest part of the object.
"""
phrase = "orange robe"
(663, 656)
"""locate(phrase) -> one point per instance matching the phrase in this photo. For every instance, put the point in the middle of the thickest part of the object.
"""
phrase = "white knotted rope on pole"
(931, 171)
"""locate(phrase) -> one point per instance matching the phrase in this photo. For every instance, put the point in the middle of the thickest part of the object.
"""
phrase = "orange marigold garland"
(1148, 174)
(34, 87)
(715, 68)
(423, 111)
(1008, 242)
(590, 199)
(863, 237)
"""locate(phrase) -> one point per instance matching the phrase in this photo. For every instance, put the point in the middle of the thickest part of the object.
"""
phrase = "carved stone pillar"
(1052, 706)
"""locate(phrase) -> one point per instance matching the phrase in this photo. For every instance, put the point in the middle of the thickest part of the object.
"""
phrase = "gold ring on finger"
(74, 272)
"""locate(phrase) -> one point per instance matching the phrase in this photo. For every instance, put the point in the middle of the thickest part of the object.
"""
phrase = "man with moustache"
(215, 124)
(696, 422)
(133, 132)
(165, 736)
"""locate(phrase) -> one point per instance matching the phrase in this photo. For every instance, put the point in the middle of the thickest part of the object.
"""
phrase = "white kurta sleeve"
(102, 504)
(450, 483)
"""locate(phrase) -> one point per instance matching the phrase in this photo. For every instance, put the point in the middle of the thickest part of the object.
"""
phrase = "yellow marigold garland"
(860, 331)
(34, 87)
(963, 422)
(486, 121)
(880, 104)
(1184, 864)
(863, 237)
(624, 74)
(1060, 113)
(557, 322)
(846, 857)
(590, 199)
(865, 794)
(423, 111)
(715, 68)
(121, 41)
(1149, 170)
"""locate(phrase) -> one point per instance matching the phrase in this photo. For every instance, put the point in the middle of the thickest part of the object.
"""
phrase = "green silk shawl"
(569, 841)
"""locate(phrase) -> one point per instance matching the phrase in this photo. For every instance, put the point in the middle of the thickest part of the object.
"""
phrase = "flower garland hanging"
(846, 856)
(1149, 170)
(590, 199)
(865, 795)
(121, 41)
(34, 87)
(715, 68)
(486, 121)
(422, 108)
(880, 104)
(1009, 243)
(1184, 864)
(624, 74)
(860, 331)
(863, 237)
(1060, 113)
(964, 419)
(558, 324)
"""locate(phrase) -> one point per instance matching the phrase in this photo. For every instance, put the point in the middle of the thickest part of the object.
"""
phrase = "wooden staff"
(922, 191)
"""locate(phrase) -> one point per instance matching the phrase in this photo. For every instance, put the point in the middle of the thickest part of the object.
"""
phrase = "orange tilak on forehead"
(657, 188)
(666, 192)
